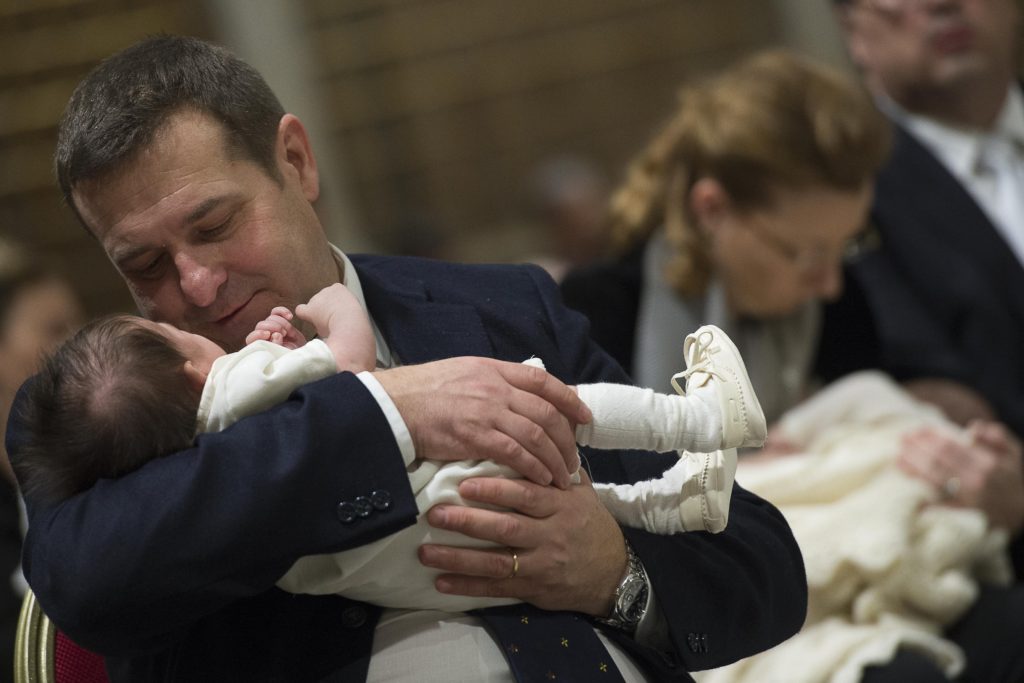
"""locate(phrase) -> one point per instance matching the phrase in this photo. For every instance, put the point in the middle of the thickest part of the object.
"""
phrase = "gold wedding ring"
(515, 564)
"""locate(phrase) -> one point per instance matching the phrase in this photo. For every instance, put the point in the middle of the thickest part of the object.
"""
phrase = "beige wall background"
(428, 111)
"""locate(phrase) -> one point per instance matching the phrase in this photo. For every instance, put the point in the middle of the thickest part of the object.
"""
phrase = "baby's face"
(195, 347)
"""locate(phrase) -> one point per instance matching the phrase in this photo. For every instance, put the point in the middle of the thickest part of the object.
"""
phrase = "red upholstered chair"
(42, 654)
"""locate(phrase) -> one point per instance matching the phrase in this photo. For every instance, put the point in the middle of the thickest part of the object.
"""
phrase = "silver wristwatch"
(630, 596)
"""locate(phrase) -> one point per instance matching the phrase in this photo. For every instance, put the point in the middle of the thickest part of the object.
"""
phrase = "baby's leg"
(717, 409)
(693, 495)
(631, 417)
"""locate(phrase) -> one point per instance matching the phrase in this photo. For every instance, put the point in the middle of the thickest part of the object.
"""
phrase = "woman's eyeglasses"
(813, 259)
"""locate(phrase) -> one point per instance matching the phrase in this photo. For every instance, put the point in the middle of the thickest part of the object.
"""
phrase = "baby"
(129, 390)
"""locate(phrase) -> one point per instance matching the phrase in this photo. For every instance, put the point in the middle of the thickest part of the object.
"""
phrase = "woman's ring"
(515, 564)
(951, 487)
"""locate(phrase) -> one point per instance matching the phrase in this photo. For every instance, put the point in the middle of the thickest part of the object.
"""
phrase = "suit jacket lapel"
(417, 328)
(917, 180)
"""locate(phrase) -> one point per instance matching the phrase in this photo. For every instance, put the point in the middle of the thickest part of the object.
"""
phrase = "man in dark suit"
(944, 285)
(180, 161)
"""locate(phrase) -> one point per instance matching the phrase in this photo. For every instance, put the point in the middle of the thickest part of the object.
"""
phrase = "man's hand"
(470, 408)
(570, 550)
(277, 328)
(987, 472)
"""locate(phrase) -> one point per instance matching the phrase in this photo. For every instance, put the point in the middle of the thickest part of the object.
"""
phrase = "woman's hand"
(985, 472)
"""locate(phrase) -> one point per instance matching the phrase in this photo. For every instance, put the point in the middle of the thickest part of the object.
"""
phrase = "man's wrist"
(629, 603)
(398, 427)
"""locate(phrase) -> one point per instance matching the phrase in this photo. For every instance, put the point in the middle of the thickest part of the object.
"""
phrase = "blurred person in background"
(37, 311)
(740, 214)
(944, 284)
(943, 287)
(569, 196)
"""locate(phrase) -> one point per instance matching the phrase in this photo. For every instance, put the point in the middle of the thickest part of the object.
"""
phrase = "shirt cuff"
(402, 436)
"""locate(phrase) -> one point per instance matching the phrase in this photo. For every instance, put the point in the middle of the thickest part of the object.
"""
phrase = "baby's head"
(119, 393)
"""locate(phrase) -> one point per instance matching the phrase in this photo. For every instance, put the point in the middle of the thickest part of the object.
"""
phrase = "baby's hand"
(342, 324)
(277, 329)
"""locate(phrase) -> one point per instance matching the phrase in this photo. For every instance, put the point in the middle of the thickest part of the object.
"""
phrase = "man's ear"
(709, 203)
(195, 376)
(295, 155)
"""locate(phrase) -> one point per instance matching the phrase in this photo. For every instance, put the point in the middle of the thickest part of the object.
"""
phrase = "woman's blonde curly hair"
(773, 121)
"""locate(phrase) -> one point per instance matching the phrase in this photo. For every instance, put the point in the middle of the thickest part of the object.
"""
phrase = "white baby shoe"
(711, 357)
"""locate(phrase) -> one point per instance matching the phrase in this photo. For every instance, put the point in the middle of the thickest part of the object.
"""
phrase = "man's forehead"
(122, 216)
(188, 144)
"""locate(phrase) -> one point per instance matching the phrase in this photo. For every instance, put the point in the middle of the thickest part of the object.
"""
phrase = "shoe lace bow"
(699, 360)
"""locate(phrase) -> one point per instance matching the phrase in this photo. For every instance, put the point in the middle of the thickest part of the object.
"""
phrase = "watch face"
(632, 600)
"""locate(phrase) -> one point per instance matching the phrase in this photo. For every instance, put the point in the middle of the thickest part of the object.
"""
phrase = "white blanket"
(886, 567)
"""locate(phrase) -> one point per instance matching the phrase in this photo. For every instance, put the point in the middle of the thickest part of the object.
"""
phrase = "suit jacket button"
(353, 617)
(363, 506)
(346, 512)
(381, 500)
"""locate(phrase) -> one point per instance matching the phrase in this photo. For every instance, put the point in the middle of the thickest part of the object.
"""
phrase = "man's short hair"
(109, 400)
(119, 106)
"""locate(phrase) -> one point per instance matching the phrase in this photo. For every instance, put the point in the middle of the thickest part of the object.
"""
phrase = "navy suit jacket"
(170, 571)
(944, 288)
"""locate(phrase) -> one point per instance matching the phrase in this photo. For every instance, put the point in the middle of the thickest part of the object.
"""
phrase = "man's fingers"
(505, 450)
(516, 494)
(555, 429)
(501, 528)
(497, 563)
(468, 408)
(494, 573)
(541, 383)
(535, 440)
(460, 584)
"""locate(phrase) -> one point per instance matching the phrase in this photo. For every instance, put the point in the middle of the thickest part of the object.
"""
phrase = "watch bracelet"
(634, 568)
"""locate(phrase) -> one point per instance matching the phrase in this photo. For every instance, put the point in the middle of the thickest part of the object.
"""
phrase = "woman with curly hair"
(738, 213)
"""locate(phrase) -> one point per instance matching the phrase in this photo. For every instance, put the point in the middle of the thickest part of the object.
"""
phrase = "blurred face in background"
(40, 316)
(908, 48)
(774, 260)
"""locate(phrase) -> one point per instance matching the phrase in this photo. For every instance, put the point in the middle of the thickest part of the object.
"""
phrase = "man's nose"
(199, 280)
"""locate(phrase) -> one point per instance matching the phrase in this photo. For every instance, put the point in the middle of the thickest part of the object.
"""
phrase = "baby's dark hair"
(109, 400)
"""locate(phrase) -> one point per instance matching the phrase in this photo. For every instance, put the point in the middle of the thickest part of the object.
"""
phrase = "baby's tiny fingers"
(282, 311)
(257, 335)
